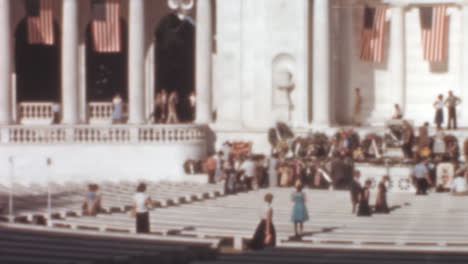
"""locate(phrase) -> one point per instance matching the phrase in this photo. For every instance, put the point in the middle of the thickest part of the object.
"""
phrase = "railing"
(92, 134)
(102, 111)
(36, 112)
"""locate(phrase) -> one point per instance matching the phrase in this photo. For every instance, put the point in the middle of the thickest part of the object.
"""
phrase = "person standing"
(193, 103)
(163, 102)
(381, 206)
(357, 110)
(142, 203)
(364, 208)
(451, 102)
(248, 168)
(421, 177)
(439, 111)
(230, 176)
(172, 108)
(273, 170)
(408, 140)
(355, 190)
(56, 113)
(265, 234)
(117, 109)
(397, 114)
(210, 167)
(299, 213)
(156, 115)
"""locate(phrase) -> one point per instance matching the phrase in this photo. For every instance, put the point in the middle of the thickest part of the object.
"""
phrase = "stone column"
(397, 55)
(321, 64)
(136, 62)
(463, 108)
(5, 63)
(204, 40)
(70, 62)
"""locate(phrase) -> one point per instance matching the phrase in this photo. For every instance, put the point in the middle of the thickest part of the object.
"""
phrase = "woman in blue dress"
(299, 213)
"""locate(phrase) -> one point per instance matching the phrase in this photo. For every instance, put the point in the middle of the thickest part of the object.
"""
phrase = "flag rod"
(409, 6)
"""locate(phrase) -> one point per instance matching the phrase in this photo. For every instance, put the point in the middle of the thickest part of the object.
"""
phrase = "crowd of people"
(166, 108)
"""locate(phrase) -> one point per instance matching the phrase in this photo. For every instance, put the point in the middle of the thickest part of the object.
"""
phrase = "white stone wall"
(96, 162)
(376, 80)
(251, 35)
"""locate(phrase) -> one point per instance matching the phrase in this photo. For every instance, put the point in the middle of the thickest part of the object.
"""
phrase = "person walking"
(408, 140)
(439, 111)
(142, 203)
(210, 168)
(172, 108)
(364, 208)
(355, 189)
(265, 234)
(299, 212)
(381, 206)
(451, 102)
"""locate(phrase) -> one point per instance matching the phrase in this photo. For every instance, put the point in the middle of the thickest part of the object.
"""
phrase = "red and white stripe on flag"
(41, 27)
(373, 34)
(434, 37)
(106, 30)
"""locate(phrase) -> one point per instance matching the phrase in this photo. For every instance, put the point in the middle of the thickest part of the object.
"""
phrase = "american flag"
(106, 26)
(373, 34)
(40, 20)
(434, 32)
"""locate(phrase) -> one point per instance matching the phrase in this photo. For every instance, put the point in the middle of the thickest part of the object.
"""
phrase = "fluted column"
(136, 62)
(321, 63)
(397, 54)
(5, 63)
(463, 119)
(203, 62)
(70, 65)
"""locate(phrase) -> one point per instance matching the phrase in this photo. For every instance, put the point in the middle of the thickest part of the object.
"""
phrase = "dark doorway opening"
(106, 73)
(37, 67)
(175, 58)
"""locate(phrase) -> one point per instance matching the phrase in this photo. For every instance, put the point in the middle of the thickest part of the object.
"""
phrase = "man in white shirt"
(248, 168)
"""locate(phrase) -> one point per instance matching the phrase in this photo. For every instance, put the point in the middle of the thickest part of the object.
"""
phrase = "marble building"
(255, 62)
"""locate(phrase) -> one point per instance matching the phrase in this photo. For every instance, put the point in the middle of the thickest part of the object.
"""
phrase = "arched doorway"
(175, 58)
(106, 73)
(37, 67)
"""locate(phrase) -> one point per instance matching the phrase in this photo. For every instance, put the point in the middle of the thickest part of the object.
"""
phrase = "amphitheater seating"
(337, 256)
(27, 245)
(435, 223)
(31, 201)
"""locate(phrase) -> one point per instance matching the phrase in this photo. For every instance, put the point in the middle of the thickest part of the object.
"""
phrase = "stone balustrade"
(36, 112)
(100, 112)
(92, 134)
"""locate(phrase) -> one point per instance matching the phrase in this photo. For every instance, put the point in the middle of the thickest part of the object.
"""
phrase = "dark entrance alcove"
(37, 67)
(175, 58)
(106, 73)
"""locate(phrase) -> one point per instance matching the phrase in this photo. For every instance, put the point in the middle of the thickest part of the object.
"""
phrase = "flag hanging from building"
(373, 34)
(105, 26)
(434, 32)
(40, 21)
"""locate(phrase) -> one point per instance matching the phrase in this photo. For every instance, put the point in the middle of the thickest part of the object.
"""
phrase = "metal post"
(49, 195)
(10, 196)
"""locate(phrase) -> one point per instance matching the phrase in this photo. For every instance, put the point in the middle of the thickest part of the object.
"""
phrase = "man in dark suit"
(355, 189)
